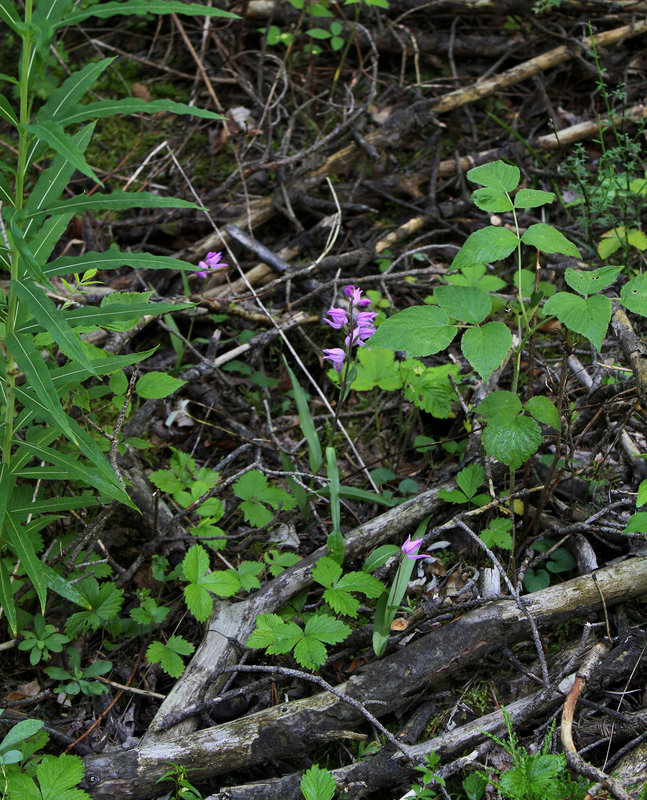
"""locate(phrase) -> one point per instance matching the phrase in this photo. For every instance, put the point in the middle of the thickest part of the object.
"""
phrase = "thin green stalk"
(12, 302)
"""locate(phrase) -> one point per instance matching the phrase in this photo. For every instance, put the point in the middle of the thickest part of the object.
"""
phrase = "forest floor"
(342, 159)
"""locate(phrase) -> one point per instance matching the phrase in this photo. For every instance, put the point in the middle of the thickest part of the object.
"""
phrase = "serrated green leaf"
(496, 175)
(637, 523)
(140, 7)
(419, 330)
(328, 629)
(156, 385)
(223, 583)
(486, 245)
(326, 571)
(532, 198)
(499, 407)
(310, 653)
(464, 303)
(267, 631)
(633, 295)
(170, 661)
(361, 582)
(55, 137)
(642, 493)
(497, 534)
(492, 200)
(588, 316)
(195, 563)
(591, 281)
(543, 410)
(198, 601)
(58, 776)
(486, 346)
(549, 240)
(470, 478)
(514, 442)
(376, 367)
(318, 784)
(341, 601)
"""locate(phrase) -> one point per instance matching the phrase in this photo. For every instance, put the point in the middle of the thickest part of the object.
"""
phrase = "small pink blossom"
(211, 263)
(338, 317)
(355, 297)
(337, 356)
(410, 549)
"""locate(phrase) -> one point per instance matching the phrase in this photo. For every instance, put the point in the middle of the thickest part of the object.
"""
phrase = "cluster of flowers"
(212, 262)
(357, 324)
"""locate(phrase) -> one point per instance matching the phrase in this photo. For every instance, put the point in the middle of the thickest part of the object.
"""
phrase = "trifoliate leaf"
(470, 478)
(326, 571)
(376, 367)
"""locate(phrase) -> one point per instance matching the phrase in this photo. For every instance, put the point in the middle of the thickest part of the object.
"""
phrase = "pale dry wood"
(634, 349)
(292, 727)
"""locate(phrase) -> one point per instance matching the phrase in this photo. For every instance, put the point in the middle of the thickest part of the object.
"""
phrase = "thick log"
(293, 727)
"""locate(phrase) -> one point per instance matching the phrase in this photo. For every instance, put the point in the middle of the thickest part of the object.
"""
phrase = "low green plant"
(42, 641)
(43, 439)
(468, 479)
(560, 561)
(317, 784)
(182, 788)
(78, 680)
(37, 777)
(533, 776)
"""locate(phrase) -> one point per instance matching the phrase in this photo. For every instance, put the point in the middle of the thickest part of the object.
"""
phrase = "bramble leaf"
(588, 316)
(549, 240)
(419, 330)
(496, 175)
(464, 303)
(486, 245)
(486, 346)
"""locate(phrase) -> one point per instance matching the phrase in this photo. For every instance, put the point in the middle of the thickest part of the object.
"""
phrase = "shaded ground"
(348, 166)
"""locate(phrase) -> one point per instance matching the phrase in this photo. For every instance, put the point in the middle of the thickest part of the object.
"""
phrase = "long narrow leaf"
(6, 598)
(9, 16)
(29, 263)
(54, 136)
(52, 182)
(116, 201)
(113, 259)
(333, 487)
(83, 500)
(108, 316)
(31, 362)
(144, 7)
(47, 237)
(23, 549)
(72, 90)
(315, 455)
(131, 105)
(7, 481)
(7, 112)
(51, 10)
(64, 588)
(35, 299)
(104, 479)
(69, 468)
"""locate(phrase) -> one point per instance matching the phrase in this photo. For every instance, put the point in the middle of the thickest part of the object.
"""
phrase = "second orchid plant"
(357, 323)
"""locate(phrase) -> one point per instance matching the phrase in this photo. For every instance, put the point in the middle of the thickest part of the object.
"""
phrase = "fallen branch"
(293, 727)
